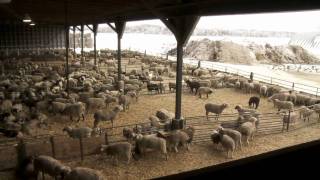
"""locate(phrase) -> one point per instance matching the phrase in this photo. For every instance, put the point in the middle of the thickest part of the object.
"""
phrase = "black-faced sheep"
(226, 141)
(234, 134)
(254, 102)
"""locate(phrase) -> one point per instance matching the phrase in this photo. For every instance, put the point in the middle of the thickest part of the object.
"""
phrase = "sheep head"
(67, 129)
(238, 107)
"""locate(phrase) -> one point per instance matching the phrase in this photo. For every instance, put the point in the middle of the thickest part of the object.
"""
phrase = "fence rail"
(313, 90)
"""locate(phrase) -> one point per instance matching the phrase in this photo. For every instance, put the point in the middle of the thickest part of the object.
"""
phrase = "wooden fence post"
(106, 138)
(288, 120)
(81, 148)
(21, 150)
(293, 86)
(271, 80)
(317, 92)
(53, 147)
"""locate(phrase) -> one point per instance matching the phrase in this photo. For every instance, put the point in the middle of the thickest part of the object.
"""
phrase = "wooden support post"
(67, 44)
(74, 42)
(293, 86)
(288, 120)
(95, 30)
(119, 29)
(81, 148)
(182, 28)
(53, 147)
(21, 150)
(106, 138)
(67, 57)
(82, 29)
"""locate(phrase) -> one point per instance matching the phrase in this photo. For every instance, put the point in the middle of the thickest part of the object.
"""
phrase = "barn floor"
(148, 105)
(200, 155)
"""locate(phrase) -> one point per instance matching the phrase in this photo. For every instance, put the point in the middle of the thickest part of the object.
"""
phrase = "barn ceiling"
(75, 12)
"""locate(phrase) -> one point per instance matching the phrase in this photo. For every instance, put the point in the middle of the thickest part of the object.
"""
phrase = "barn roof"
(101, 11)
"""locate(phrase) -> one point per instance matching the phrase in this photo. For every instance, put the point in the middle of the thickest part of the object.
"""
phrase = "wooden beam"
(89, 27)
(182, 28)
(112, 27)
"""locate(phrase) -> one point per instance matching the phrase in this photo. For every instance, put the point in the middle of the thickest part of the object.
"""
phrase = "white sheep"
(116, 150)
(82, 173)
(50, 166)
(242, 111)
(204, 90)
(106, 116)
(234, 134)
(248, 129)
(226, 141)
(215, 108)
(125, 100)
(95, 103)
(164, 115)
(177, 137)
(81, 132)
(305, 112)
(263, 90)
(144, 142)
(288, 105)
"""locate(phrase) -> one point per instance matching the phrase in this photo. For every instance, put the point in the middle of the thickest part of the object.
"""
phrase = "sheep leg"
(83, 117)
(240, 144)
(207, 115)
(176, 147)
(207, 96)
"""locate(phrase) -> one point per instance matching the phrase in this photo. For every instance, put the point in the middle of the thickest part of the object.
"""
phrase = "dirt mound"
(225, 51)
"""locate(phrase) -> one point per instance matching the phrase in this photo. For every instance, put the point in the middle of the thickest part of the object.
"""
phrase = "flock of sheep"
(37, 91)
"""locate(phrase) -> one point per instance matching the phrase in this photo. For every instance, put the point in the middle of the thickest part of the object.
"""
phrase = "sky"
(303, 21)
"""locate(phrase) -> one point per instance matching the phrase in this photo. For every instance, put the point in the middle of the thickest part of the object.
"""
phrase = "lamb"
(144, 142)
(82, 132)
(254, 102)
(226, 141)
(283, 105)
(177, 137)
(248, 129)
(75, 110)
(155, 121)
(81, 173)
(204, 90)
(215, 108)
(50, 166)
(263, 90)
(172, 86)
(128, 133)
(116, 150)
(106, 116)
(305, 113)
(125, 100)
(234, 134)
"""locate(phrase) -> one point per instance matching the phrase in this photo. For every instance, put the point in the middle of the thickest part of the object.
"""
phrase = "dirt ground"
(147, 105)
(200, 155)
